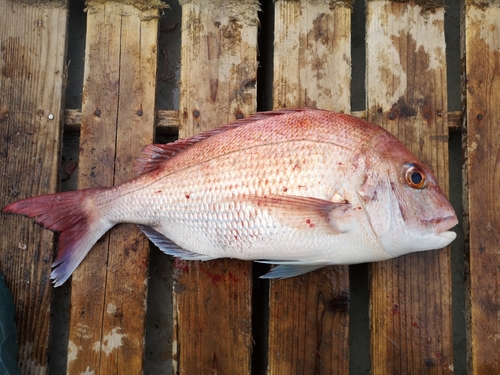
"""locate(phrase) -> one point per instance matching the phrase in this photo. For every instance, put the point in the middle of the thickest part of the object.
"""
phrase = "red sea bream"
(298, 188)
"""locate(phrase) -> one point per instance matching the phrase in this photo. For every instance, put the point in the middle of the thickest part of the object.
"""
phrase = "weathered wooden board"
(32, 78)
(312, 63)
(308, 315)
(212, 300)
(108, 296)
(481, 39)
(309, 323)
(406, 93)
(168, 120)
(218, 63)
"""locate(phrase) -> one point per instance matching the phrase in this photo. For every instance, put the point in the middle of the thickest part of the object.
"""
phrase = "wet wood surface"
(406, 93)
(108, 295)
(32, 79)
(308, 315)
(212, 299)
(481, 43)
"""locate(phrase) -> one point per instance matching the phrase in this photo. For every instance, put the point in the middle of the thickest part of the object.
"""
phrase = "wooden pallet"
(304, 323)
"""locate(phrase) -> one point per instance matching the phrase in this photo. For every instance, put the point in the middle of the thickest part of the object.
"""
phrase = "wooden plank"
(169, 119)
(164, 119)
(309, 323)
(32, 57)
(406, 93)
(108, 296)
(307, 34)
(308, 315)
(480, 30)
(212, 300)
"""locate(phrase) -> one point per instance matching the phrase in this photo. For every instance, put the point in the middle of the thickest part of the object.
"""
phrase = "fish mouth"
(442, 236)
(441, 225)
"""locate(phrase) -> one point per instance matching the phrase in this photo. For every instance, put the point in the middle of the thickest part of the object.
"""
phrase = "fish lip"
(448, 235)
(441, 225)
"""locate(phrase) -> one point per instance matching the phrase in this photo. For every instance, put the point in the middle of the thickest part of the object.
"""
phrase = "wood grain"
(406, 93)
(312, 55)
(480, 38)
(108, 296)
(212, 300)
(218, 63)
(309, 323)
(32, 78)
(308, 315)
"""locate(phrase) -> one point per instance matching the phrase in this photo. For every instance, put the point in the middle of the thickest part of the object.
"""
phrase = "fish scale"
(298, 188)
(184, 196)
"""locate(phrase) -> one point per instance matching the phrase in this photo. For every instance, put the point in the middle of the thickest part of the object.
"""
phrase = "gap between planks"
(166, 120)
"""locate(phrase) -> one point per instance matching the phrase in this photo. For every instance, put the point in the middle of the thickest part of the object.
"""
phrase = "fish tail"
(75, 217)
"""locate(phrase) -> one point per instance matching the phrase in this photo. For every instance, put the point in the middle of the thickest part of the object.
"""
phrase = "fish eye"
(415, 177)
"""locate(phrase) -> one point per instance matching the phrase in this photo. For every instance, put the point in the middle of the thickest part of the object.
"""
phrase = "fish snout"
(442, 224)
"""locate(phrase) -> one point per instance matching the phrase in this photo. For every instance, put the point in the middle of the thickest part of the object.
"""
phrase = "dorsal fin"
(155, 154)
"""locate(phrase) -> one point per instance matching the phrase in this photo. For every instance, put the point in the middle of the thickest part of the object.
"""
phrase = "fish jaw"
(437, 237)
(440, 227)
(448, 237)
(441, 236)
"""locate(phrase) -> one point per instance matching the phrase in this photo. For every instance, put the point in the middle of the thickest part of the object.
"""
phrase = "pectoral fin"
(308, 213)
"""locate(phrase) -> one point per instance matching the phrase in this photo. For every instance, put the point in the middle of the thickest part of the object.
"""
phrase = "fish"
(297, 188)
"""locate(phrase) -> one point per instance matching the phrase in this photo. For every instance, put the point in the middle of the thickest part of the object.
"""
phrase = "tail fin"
(74, 217)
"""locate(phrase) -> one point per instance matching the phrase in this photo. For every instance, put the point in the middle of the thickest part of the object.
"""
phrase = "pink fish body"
(299, 188)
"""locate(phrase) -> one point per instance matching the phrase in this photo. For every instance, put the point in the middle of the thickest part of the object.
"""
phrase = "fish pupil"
(416, 178)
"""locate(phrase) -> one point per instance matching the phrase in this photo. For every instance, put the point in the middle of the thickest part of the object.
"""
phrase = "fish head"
(406, 207)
